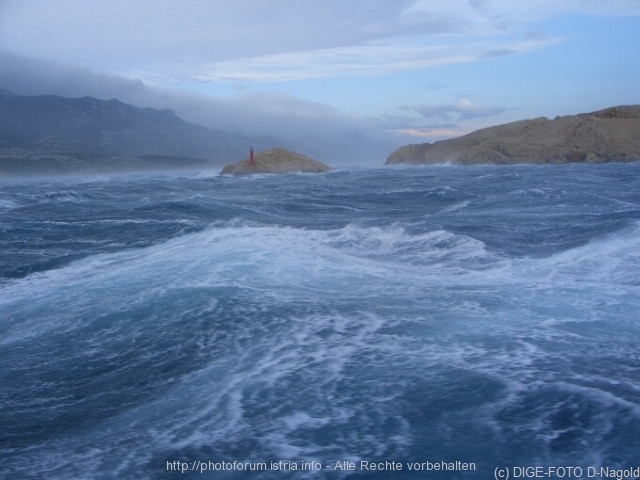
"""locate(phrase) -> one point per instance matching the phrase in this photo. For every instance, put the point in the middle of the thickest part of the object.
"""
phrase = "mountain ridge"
(55, 134)
(62, 133)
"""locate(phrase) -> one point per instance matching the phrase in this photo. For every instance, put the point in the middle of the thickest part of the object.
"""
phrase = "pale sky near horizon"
(406, 70)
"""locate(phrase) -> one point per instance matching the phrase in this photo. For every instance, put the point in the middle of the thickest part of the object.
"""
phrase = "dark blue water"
(487, 315)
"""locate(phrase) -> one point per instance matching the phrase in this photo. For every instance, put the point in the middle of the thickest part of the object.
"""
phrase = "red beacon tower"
(252, 161)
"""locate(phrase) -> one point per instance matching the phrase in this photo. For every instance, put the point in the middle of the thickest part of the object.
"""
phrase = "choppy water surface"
(440, 314)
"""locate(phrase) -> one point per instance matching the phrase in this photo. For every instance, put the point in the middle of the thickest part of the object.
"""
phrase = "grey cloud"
(166, 42)
(478, 3)
(27, 76)
(280, 115)
(460, 111)
(122, 34)
(155, 35)
(535, 35)
(401, 122)
(498, 52)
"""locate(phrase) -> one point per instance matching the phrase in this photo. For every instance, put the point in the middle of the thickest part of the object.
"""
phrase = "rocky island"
(609, 135)
(275, 160)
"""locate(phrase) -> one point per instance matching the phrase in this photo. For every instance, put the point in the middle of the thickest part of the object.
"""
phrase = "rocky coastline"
(609, 135)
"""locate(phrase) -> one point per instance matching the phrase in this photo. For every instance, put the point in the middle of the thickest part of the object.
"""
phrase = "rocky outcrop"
(610, 135)
(276, 160)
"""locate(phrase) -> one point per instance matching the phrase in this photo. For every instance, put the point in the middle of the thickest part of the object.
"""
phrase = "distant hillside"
(63, 133)
(610, 135)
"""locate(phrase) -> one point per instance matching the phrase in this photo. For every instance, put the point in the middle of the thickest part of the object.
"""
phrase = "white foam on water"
(290, 263)
(286, 262)
(455, 207)
(441, 250)
(417, 307)
(8, 204)
(266, 366)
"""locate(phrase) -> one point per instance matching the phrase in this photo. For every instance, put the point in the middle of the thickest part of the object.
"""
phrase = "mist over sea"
(479, 314)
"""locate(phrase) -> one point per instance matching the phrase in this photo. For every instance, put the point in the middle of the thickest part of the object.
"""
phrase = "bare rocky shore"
(276, 160)
(610, 135)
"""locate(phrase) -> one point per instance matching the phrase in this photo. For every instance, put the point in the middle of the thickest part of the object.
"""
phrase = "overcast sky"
(410, 70)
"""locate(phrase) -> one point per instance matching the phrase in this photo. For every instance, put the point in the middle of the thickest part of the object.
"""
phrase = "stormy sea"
(398, 322)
